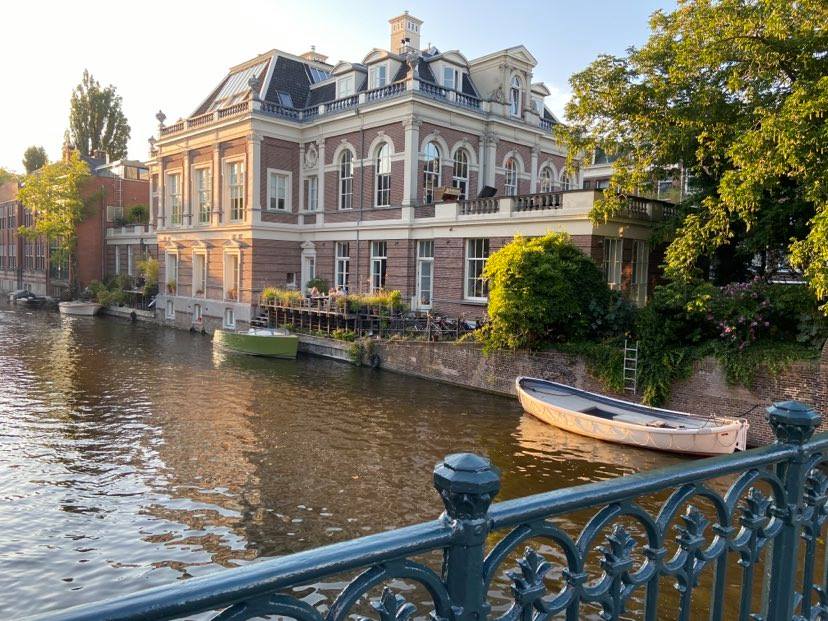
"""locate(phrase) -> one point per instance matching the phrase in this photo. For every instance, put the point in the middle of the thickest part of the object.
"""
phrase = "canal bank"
(704, 392)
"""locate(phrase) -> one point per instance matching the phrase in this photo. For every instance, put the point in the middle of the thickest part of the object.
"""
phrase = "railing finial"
(793, 422)
(467, 483)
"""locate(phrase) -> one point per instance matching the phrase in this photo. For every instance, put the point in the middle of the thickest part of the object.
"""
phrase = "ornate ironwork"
(767, 508)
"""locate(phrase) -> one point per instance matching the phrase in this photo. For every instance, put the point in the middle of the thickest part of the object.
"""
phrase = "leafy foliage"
(735, 94)
(52, 194)
(320, 284)
(149, 268)
(96, 120)
(7, 175)
(34, 158)
(542, 290)
(138, 214)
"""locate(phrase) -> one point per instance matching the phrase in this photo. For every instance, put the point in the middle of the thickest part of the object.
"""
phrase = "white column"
(412, 158)
(533, 182)
(186, 194)
(320, 181)
(481, 163)
(254, 169)
(491, 159)
(300, 181)
(217, 174)
(162, 193)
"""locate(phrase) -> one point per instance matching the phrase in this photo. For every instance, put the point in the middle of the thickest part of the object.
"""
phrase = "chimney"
(314, 56)
(405, 33)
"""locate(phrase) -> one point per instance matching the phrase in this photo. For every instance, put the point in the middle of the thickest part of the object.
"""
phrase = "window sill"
(476, 301)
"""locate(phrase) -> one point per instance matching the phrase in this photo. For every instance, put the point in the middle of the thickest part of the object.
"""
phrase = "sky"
(170, 54)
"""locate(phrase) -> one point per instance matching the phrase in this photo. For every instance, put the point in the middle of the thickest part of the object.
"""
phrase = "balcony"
(563, 203)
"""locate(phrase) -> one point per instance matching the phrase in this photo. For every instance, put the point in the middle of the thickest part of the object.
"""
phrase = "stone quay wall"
(706, 392)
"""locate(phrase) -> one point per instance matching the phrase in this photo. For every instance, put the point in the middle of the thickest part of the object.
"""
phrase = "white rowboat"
(84, 309)
(596, 416)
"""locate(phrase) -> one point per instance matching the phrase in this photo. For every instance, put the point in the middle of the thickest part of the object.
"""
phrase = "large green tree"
(734, 94)
(53, 195)
(96, 120)
(34, 158)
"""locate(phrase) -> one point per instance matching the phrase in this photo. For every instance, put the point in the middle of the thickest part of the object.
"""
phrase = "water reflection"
(132, 456)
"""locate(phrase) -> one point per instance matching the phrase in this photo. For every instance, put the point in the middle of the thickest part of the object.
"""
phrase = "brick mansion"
(404, 170)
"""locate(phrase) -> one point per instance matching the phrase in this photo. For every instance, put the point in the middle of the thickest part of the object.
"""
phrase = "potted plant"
(171, 287)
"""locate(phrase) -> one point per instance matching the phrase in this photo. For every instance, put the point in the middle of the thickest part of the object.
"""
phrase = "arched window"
(346, 180)
(431, 172)
(515, 96)
(383, 174)
(547, 180)
(510, 182)
(566, 184)
(460, 177)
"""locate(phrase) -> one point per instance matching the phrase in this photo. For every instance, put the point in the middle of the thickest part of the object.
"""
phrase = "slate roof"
(321, 94)
(291, 77)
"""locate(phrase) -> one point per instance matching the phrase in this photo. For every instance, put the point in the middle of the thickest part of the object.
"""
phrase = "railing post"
(467, 484)
(792, 423)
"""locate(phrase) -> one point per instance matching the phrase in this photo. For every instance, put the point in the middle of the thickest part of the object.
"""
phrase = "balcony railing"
(538, 202)
(311, 113)
(479, 205)
(764, 526)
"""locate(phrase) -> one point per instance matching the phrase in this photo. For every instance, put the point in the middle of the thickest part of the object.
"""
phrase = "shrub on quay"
(543, 290)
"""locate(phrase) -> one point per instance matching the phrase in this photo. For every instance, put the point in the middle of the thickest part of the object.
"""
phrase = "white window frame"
(470, 264)
(117, 259)
(286, 177)
(169, 310)
(382, 195)
(546, 180)
(234, 254)
(342, 266)
(130, 262)
(461, 181)
(198, 313)
(290, 280)
(640, 271)
(229, 189)
(454, 84)
(202, 278)
(613, 261)
(422, 261)
(203, 196)
(229, 318)
(566, 182)
(431, 177)
(379, 265)
(515, 96)
(510, 177)
(375, 79)
(342, 203)
(174, 200)
(346, 86)
(311, 193)
(170, 259)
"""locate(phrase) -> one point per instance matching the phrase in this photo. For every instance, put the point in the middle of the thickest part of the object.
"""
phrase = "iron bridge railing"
(779, 530)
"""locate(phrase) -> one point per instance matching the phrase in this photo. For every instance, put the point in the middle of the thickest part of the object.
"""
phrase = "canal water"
(133, 456)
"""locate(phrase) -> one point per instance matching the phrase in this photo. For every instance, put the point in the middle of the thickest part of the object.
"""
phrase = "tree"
(541, 290)
(735, 93)
(53, 195)
(34, 158)
(96, 120)
(6, 176)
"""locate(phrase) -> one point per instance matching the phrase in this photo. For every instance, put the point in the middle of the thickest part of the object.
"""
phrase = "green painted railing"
(763, 531)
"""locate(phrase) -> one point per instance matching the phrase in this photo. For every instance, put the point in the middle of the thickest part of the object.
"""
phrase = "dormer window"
(345, 87)
(451, 78)
(379, 76)
(515, 89)
(537, 104)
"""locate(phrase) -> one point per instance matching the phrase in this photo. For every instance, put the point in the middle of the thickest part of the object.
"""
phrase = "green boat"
(272, 342)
